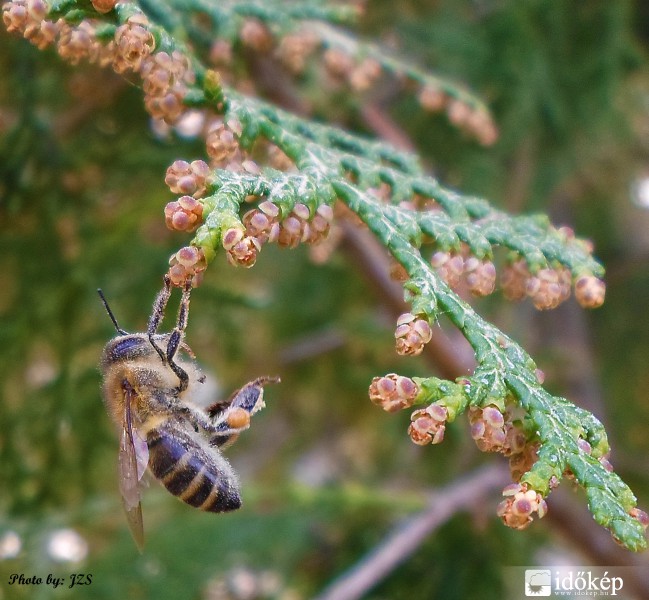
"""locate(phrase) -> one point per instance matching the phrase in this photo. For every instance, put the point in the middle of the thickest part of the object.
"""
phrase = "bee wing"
(129, 474)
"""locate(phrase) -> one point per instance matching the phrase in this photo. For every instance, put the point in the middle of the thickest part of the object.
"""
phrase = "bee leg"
(158, 314)
(249, 397)
(233, 417)
(175, 339)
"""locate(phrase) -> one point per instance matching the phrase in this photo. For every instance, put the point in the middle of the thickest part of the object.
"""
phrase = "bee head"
(129, 346)
(125, 346)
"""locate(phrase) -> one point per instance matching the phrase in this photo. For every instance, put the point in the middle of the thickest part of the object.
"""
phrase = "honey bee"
(149, 381)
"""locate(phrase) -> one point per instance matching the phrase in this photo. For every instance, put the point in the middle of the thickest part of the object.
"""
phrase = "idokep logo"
(570, 581)
(538, 582)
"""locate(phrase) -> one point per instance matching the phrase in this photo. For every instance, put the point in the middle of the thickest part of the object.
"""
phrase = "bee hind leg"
(233, 416)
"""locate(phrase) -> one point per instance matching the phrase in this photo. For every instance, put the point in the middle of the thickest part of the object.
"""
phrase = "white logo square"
(538, 582)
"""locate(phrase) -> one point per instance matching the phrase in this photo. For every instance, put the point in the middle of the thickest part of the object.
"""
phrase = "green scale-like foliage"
(330, 165)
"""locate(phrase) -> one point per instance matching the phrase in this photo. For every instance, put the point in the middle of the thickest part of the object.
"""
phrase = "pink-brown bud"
(103, 6)
(393, 392)
(363, 76)
(449, 267)
(185, 214)
(514, 280)
(187, 178)
(295, 48)
(411, 334)
(432, 98)
(519, 506)
(641, 516)
(133, 43)
(458, 112)
(488, 428)
(255, 35)
(221, 144)
(590, 291)
(187, 264)
(338, 63)
(428, 425)
(241, 249)
(549, 288)
(480, 276)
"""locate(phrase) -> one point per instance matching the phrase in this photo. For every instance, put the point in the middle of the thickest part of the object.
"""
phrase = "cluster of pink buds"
(393, 392)
(133, 44)
(27, 17)
(550, 286)
(73, 43)
(256, 36)
(513, 280)
(295, 48)
(412, 334)
(293, 229)
(187, 264)
(344, 68)
(363, 75)
(449, 267)
(488, 428)
(165, 78)
(494, 432)
(474, 120)
(428, 425)
(221, 53)
(518, 508)
(264, 224)
(241, 249)
(184, 214)
(338, 63)
(479, 275)
(188, 178)
(80, 43)
(222, 144)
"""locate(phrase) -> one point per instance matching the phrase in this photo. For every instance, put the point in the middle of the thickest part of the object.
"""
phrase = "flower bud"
(590, 291)
(428, 425)
(519, 506)
(187, 264)
(411, 334)
(241, 249)
(393, 392)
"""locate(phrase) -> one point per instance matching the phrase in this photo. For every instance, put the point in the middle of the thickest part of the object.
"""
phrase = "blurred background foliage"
(325, 474)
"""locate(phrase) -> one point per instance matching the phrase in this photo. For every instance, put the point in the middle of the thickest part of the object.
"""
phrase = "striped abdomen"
(198, 475)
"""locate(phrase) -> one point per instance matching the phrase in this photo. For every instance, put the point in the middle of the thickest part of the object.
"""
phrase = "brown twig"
(406, 537)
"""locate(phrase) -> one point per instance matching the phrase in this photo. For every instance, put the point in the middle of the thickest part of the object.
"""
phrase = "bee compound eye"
(127, 347)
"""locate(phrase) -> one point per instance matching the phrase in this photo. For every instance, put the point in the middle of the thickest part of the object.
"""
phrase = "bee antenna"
(110, 312)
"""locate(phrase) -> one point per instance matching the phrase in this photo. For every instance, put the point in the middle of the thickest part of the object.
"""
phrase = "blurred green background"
(326, 476)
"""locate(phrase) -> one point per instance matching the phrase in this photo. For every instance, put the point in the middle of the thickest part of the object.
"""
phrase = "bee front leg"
(157, 314)
(175, 339)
